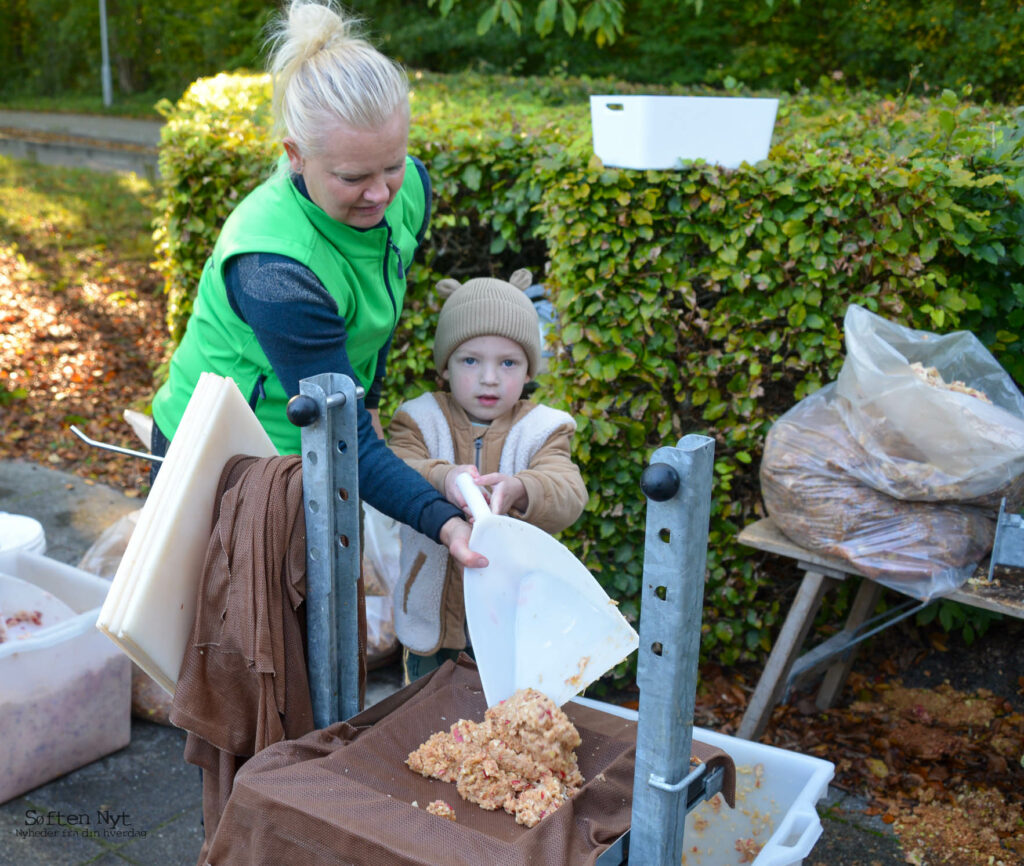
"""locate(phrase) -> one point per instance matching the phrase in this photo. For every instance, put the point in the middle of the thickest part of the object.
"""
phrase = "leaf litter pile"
(81, 318)
(82, 332)
(944, 766)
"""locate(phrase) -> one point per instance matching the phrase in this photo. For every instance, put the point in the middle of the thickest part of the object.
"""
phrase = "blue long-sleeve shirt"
(298, 327)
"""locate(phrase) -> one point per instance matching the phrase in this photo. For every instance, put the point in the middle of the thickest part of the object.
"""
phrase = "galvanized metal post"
(105, 56)
(326, 411)
(678, 487)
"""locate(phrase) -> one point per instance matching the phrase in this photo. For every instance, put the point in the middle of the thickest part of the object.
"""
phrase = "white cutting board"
(537, 617)
(151, 605)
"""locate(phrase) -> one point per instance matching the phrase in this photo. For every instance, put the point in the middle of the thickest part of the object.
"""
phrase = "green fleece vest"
(359, 268)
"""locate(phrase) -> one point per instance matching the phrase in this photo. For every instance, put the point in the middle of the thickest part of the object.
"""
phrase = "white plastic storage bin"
(776, 793)
(657, 132)
(775, 814)
(65, 689)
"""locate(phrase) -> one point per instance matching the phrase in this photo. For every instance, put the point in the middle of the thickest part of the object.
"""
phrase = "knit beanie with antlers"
(486, 306)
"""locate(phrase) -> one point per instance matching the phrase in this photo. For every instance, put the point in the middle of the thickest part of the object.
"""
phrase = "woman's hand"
(507, 492)
(455, 536)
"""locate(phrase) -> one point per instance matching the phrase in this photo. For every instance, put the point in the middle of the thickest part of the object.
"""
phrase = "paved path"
(124, 130)
(95, 142)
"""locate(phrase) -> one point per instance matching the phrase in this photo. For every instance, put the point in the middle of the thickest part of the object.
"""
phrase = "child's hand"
(507, 492)
(451, 489)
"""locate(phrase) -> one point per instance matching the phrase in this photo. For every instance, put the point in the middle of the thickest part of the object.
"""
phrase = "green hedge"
(700, 300)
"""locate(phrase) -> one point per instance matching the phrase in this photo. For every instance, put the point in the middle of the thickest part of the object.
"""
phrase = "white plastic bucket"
(20, 533)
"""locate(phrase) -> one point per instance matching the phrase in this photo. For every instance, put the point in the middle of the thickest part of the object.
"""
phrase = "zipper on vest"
(258, 393)
(478, 444)
(398, 255)
(392, 246)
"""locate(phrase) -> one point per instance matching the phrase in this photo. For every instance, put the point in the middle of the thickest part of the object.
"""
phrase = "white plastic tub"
(65, 689)
(776, 793)
(658, 132)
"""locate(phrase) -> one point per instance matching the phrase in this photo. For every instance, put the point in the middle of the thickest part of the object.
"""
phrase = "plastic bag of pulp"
(149, 701)
(811, 487)
(938, 419)
(899, 466)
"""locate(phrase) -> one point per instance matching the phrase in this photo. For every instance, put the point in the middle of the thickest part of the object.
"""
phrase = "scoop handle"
(474, 498)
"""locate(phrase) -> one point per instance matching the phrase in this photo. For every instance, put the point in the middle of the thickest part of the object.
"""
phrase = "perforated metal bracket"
(678, 488)
(325, 409)
(1008, 545)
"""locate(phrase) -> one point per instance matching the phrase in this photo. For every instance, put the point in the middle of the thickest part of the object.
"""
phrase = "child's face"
(486, 375)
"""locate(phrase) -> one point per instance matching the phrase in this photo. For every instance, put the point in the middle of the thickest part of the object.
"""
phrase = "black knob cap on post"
(659, 482)
(302, 410)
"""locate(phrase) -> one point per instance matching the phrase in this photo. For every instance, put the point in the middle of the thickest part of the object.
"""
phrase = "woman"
(308, 274)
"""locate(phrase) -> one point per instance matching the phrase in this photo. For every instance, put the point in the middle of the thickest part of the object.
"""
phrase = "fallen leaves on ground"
(942, 766)
(80, 355)
(41, 135)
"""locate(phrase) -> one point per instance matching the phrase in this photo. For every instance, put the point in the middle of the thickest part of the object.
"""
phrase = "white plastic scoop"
(537, 617)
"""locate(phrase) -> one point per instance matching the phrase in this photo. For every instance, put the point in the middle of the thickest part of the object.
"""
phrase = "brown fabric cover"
(344, 794)
(243, 682)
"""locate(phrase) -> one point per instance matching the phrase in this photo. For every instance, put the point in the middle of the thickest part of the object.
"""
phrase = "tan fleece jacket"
(555, 491)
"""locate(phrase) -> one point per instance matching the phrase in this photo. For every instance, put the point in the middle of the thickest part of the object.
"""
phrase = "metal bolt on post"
(325, 409)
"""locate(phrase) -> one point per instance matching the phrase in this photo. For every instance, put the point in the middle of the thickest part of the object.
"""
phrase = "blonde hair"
(324, 71)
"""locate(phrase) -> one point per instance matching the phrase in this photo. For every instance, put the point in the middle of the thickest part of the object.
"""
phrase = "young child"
(487, 347)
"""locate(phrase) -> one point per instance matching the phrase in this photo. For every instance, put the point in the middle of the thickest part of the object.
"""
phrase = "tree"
(602, 20)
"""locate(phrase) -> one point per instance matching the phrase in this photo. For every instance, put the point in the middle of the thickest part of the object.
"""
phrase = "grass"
(45, 209)
(136, 106)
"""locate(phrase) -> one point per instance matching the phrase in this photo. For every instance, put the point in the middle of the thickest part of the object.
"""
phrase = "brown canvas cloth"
(243, 683)
(343, 795)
